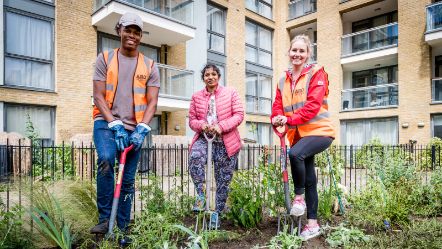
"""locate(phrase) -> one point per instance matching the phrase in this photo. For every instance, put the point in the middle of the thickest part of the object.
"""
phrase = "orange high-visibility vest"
(142, 73)
(320, 125)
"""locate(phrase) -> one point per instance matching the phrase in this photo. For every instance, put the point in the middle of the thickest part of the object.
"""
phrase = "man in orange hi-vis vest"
(125, 85)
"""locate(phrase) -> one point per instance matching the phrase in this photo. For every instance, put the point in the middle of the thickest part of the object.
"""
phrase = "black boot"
(101, 228)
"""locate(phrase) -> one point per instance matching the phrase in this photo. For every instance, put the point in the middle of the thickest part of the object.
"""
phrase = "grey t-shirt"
(123, 106)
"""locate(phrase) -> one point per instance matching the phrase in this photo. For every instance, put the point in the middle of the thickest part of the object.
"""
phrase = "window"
(374, 22)
(437, 126)
(258, 93)
(109, 42)
(262, 7)
(216, 29)
(359, 132)
(29, 51)
(373, 77)
(258, 45)
(259, 132)
(42, 118)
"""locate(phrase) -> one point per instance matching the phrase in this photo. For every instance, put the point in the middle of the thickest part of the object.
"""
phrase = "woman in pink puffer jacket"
(215, 110)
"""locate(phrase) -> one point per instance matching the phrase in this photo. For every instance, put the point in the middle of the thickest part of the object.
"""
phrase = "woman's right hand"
(279, 120)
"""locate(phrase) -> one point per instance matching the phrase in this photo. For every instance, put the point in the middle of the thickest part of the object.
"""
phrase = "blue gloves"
(121, 136)
(137, 137)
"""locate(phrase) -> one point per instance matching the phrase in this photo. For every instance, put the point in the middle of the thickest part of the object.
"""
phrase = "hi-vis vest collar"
(142, 73)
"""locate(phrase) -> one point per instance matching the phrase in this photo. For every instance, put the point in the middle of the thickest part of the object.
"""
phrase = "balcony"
(165, 21)
(436, 90)
(298, 8)
(434, 24)
(371, 97)
(176, 88)
(378, 38)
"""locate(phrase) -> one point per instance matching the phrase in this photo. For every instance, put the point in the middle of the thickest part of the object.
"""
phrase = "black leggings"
(302, 158)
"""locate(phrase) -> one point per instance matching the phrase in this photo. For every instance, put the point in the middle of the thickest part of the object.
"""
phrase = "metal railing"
(436, 90)
(371, 39)
(175, 83)
(434, 16)
(181, 10)
(298, 8)
(370, 97)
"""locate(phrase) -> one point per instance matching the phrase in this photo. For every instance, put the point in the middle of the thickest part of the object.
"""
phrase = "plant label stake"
(206, 218)
(285, 219)
(117, 191)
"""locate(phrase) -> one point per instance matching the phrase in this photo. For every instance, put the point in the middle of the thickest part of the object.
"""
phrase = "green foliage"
(272, 186)
(245, 199)
(344, 237)
(194, 241)
(426, 155)
(326, 198)
(336, 161)
(285, 240)
(418, 234)
(12, 233)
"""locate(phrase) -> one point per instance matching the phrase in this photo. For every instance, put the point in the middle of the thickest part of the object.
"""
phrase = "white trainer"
(310, 232)
(298, 207)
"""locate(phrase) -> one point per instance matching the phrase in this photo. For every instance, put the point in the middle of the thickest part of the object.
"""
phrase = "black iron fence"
(169, 164)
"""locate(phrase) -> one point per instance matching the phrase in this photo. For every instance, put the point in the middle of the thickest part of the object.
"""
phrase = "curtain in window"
(215, 19)
(264, 134)
(28, 36)
(386, 130)
(41, 118)
(251, 80)
(361, 132)
(265, 102)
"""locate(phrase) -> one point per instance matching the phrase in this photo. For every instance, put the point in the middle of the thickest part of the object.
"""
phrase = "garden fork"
(206, 217)
(285, 219)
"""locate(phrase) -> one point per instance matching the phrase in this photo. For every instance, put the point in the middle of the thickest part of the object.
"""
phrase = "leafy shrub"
(426, 155)
(12, 233)
(344, 237)
(245, 199)
(285, 240)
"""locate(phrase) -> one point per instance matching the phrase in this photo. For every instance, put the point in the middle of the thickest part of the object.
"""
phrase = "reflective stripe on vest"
(142, 73)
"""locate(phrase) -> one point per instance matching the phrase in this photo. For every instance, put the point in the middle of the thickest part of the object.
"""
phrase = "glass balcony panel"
(379, 37)
(181, 10)
(298, 8)
(175, 83)
(436, 90)
(434, 16)
(370, 97)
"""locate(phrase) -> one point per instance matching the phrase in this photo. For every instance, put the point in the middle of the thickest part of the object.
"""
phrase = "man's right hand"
(279, 120)
(121, 136)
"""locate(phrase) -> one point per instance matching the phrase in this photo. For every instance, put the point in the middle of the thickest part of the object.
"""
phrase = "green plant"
(12, 232)
(245, 199)
(325, 204)
(285, 240)
(272, 186)
(342, 236)
(427, 154)
(195, 240)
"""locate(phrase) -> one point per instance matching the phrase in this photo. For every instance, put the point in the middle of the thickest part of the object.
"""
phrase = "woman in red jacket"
(217, 110)
(301, 103)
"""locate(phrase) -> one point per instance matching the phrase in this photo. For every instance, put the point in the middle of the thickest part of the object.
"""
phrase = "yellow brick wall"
(76, 46)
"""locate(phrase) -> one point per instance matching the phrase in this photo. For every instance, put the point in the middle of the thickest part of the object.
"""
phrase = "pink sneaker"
(298, 207)
(310, 232)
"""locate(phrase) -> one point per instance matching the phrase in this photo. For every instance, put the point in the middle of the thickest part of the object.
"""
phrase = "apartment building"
(382, 57)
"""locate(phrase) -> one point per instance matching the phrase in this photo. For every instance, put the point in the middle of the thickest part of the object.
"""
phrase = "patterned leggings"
(224, 167)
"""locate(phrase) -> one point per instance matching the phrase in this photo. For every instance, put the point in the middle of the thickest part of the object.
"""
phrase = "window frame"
(211, 32)
(258, 124)
(52, 114)
(263, 2)
(257, 48)
(100, 35)
(258, 91)
(28, 58)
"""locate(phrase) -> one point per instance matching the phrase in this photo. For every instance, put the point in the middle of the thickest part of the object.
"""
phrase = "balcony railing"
(372, 39)
(370, 97)
(181, 10)
(298, 8)
(175, 83)
(436, 90)
(434, 16)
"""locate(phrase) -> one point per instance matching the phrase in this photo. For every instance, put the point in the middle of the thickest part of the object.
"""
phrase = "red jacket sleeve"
(316, 92)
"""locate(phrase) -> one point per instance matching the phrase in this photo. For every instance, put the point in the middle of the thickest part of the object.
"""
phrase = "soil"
(257, 236)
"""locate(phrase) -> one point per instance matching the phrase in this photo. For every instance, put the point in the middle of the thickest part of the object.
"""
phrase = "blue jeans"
(107, 153)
